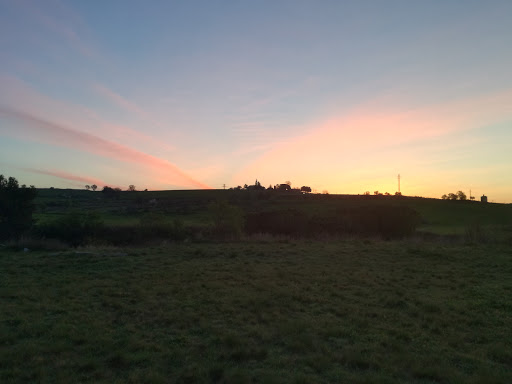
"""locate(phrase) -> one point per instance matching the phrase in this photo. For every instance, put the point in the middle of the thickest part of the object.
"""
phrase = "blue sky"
(338, 95)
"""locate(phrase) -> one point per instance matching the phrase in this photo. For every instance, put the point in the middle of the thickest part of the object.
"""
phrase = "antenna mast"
(398, 183)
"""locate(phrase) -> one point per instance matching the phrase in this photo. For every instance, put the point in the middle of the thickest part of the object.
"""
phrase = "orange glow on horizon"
(365, 149)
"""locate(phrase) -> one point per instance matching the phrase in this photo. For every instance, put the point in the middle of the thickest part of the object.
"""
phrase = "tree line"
(93, 187)
(456, 196)
(287, 186)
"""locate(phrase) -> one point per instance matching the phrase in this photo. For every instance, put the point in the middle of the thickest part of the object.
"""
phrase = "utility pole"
(398, 183)
(224, 186)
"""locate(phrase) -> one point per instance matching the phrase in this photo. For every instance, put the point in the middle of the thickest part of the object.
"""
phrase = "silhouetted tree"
(111, 192)
(131, 188)
(398, 193)
(455, 196)
(305, 189)
(257, 186)
(16, 207)
(87, 187)
(452, 196)
(94, 187)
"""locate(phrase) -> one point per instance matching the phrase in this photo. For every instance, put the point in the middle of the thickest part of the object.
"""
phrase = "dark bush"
(154, 225)
(289, 222)
(378, 220)
(77, 228)
(121, 235)
(382, 220)
(332, 224)
(143, 234)
(227, 219)
(74, 228)
(112, 193)
(16, 207)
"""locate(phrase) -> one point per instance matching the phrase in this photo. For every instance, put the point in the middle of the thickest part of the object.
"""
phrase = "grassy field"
(355, 311)
(438, 217)
(433, 308)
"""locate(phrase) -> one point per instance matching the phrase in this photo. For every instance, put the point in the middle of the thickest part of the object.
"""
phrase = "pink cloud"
(52, 133)
(68, 176)
(118, 99)
(371, 141)
(125, 104)
(17, 92)
(121, 132)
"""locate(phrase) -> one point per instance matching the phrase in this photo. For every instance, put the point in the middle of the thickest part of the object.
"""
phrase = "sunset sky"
(337, 95)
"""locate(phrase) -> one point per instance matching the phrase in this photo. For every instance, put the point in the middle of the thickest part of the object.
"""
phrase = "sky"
(341, 96)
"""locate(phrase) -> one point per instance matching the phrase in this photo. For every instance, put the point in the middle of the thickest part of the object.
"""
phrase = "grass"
(268, 309)
(358, 311)
(438, 217)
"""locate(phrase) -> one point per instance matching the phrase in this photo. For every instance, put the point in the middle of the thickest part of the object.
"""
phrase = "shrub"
(146, 233)
(151, 220)
(227, 219)
(16, 208)
(382, 220)
(378, 220)
(112, 193)
(288, 222)
(121, 235)
(155, 225)
(73, 228)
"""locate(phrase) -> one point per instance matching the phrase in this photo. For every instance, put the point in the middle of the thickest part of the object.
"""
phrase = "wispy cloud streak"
(63, 25)
(119, 100)
(67, 176)
(17, 92)
(373, 138)
(124, 103)
(56, 134)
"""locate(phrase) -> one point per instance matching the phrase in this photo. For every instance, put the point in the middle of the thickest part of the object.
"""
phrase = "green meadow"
(434, 307)
(437, 216)
(358, 311)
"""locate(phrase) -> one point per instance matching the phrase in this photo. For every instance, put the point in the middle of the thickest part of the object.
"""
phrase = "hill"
(437, 217)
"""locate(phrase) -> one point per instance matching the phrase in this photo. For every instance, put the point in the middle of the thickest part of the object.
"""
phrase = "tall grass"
(475, 233)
